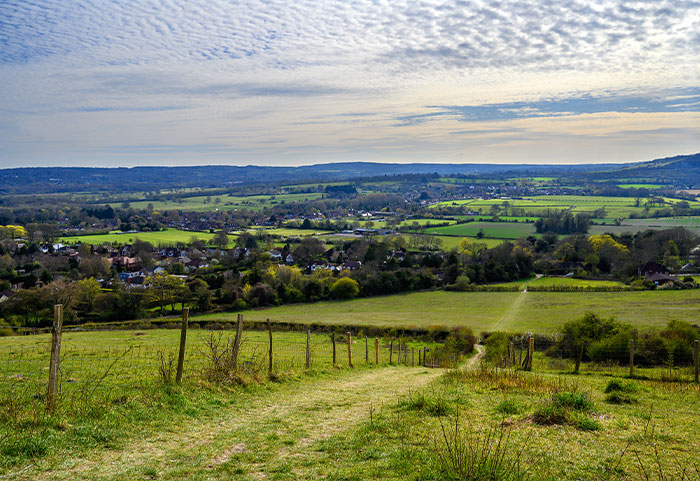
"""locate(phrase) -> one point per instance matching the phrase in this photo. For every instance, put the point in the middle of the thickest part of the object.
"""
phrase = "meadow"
(167, 237)
(208, 203)
(492, 230)
(541, 312)
(615, 207)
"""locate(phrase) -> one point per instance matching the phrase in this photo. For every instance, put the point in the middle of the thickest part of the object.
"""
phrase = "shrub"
(345, 288)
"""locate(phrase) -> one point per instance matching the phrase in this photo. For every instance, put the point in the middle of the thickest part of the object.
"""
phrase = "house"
(7, 295)
(351, 265)
(651, 268)
(289, 259)
(660, 279)
(128, 263)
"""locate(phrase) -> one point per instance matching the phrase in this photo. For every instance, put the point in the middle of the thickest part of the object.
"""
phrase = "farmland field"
(486, 311)
(494, 230)
(548, 281)
(616, 207)
(167, 237)
(204, 203)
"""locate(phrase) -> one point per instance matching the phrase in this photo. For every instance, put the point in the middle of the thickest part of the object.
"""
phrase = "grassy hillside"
(486, 311)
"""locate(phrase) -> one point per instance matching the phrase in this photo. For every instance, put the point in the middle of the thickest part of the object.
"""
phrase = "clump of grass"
(460, 454)
(617, 385)
(570, 408)
(508, 380)
(616, 398)
(509, 407)
(572, 400)
(434, 405)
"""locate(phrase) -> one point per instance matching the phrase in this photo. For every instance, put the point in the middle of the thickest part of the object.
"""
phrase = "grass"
(616, 207)
(208, 203)
(549, 281)
(542, 312)
(167, 237)
(495, 230)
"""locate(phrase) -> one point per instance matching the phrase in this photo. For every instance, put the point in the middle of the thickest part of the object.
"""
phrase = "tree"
(163, 290)
(220, 239)
(345, 288)
(578, 334)
(87, 291)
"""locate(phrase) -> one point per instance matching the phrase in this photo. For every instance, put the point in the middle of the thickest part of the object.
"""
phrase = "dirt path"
(265, 430)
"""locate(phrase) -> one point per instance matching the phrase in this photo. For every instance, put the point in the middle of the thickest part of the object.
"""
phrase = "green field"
(167, 237)
(548, 281)
(616, 207)
(641, 186)
(494, 230)
(204, 203)
(487, 311)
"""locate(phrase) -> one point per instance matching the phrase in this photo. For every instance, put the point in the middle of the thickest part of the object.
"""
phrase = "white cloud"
(82, 78)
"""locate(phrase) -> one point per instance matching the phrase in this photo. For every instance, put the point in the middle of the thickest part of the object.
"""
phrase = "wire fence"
(667, 360)
(113, 362)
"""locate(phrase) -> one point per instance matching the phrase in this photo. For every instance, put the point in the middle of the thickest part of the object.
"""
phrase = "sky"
(188, 82)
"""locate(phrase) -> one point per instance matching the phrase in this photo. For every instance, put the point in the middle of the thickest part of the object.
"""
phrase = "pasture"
(542, 312)
(208, 203)
(615, 207)
(492, 230)
(167, 237)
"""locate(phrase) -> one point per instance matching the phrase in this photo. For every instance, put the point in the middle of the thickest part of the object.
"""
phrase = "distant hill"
(71, 179)
(681, 169)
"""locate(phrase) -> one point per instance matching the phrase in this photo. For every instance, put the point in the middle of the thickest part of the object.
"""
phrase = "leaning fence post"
(696, 356)
(237, 342)
(376, 350)
(631, 357)
(183, 342)
(333, 342)
(530, 352)
(308, 349)
(511, 354)
(350, 349)
(269, 331)
(366, 351)
(55, 355)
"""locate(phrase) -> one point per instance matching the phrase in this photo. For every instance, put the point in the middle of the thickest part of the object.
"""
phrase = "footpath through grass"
(275, 431)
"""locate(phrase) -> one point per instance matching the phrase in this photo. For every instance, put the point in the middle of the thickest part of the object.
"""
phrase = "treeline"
(563, 223)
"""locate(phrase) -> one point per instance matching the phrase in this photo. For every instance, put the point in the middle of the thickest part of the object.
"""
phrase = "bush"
(567, 408)
(572, 400)
(345, 288)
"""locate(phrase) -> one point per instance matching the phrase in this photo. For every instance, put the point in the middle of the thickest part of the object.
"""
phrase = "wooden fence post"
(413, 357)
(350, 349)
(425, 357)
(55, 355)
(511, 354)
(237, 342)
(269, 331)
(391, 352)
(333, 342)
(308, 349)
(530, 352)
(376, 350)
(183, 343)
(696, 352)
(631, 357)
